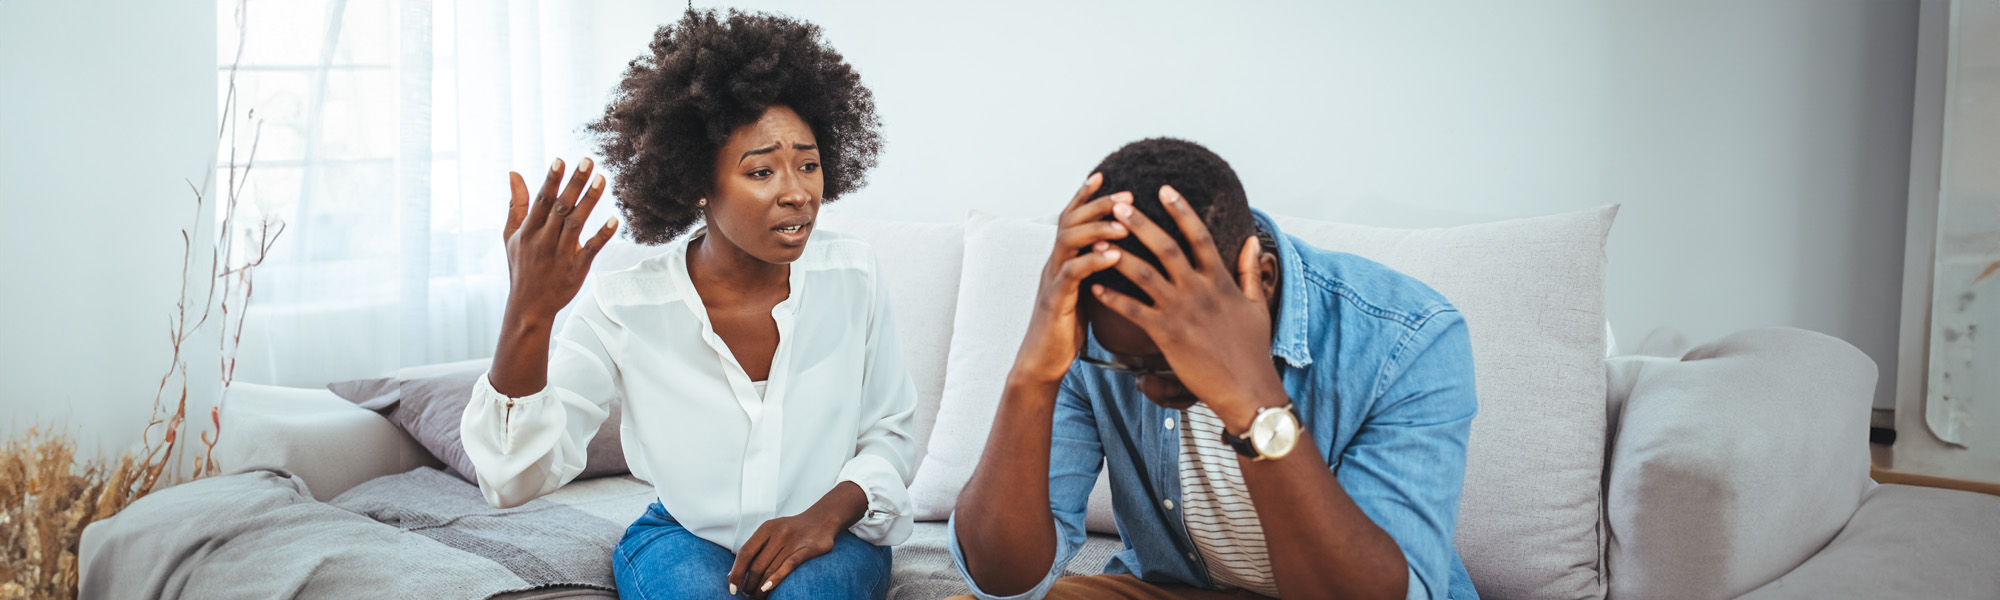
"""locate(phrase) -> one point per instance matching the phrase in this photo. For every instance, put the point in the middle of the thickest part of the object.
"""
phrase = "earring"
(703, 203)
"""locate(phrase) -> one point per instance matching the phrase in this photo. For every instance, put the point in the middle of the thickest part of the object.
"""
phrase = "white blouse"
(723, 457)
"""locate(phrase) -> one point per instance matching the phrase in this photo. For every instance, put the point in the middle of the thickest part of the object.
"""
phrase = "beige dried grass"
(47, 497)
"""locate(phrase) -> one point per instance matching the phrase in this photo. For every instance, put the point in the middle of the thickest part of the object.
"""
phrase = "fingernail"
(1111, 254)
(1122, 210)
(611, 223)
(732, 589)
(1168, 195)
(1125, 197)
(555, 166)
(597, 181)
(767, 587)
(1093, 178)
(587, 164)
(1100, 246)
(1097, 288)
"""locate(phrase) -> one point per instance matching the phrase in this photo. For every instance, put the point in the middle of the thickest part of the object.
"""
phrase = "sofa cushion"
(327, 442)
(1904, 542)
(429, 401)
(1003, 258)
(1532, 292)
(919, 263)
(1734, 462)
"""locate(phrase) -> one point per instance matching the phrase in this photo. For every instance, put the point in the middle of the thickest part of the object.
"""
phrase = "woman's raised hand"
(545, 263)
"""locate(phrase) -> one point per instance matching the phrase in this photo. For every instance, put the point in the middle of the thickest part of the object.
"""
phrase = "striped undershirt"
(1216, 506)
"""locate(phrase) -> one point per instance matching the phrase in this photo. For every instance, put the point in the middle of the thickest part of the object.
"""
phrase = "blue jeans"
(659, 559)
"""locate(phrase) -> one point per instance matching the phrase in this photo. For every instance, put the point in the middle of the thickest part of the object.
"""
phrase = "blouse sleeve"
(884, 451)
(524, 448)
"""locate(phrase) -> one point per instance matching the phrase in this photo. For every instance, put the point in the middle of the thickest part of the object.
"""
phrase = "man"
(1308, 415)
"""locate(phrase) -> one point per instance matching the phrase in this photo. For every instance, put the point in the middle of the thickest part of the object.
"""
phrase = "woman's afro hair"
(709, 75)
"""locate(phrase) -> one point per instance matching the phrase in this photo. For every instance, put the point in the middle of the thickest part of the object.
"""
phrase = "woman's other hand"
(782, 544)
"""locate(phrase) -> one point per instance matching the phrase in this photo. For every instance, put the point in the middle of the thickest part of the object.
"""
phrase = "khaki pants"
(1131, 588)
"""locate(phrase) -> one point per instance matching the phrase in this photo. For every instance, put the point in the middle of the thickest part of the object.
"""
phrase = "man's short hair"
(1204, 179)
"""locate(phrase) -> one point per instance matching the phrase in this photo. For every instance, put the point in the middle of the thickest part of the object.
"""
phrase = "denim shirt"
(1379, 368)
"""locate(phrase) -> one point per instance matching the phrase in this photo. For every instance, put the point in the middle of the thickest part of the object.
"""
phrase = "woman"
(764, 393)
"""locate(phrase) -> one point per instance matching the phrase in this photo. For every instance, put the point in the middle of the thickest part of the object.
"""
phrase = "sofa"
(1733, 468)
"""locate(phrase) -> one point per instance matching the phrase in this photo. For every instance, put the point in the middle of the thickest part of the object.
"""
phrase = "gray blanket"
(423, 534)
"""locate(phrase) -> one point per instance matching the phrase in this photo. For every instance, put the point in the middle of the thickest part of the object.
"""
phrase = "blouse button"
(1170, 422)
(1167, 503)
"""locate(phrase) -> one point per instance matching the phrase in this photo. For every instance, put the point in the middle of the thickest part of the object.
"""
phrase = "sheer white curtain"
(388, 127)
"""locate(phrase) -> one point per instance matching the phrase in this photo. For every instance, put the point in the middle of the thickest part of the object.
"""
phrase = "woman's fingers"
(743, 556)
(517, 207)
(573, 222)
(574, 190)
(538, 213)
(784, 568)
(759, 567)
(597, 242)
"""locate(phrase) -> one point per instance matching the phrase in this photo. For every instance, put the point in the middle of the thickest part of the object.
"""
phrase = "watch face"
(1275, 433)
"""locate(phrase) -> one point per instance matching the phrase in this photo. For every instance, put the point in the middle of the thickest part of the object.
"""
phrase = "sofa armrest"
(329, 443)
(1734, 462)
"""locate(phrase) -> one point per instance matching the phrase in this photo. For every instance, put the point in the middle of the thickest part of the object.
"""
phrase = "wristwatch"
(1272, 435)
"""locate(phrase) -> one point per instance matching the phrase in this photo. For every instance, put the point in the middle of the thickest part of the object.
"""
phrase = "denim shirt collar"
(1288, 338)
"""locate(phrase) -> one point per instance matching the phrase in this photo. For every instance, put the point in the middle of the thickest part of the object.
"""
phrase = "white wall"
(1760, 148)
(106, 108)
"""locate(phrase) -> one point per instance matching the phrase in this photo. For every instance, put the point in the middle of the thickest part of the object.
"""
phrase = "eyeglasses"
(1135, 370)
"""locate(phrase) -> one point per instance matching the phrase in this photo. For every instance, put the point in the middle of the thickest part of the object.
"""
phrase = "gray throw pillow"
(428, 402)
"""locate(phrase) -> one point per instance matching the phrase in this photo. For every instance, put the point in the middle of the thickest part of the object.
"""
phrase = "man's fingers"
(1156, 239)
(517, 207)
(1076, 269)
(1094, 210)
(1070, 240)
(1084, 193)
(1145, 276)
(1205, 254)
(1247, 273)
(1126, 306)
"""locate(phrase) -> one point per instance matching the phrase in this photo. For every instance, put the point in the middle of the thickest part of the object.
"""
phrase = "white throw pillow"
(1532, 292)
(919, 262)
(1003, 260)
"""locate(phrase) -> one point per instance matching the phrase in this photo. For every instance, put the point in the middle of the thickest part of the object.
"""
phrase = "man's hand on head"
(1214, 331)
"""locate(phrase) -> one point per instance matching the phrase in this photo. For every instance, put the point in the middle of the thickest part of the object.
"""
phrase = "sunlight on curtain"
(388, 128)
